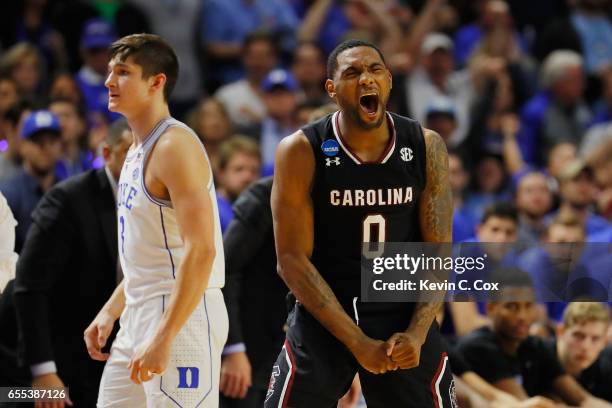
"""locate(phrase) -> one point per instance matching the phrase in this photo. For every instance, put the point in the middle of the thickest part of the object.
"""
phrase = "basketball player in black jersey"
(361, 174)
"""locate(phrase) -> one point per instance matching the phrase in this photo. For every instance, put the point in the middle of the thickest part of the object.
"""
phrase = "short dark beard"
(354, 116)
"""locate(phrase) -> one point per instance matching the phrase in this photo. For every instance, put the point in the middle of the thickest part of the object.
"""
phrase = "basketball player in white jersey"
(173, 318)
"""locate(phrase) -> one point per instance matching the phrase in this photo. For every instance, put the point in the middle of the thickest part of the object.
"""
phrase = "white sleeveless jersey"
(150, 244)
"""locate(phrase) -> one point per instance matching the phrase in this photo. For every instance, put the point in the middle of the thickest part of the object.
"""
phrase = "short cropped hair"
(585, 312)
(237, 144)
(332, 60)
(556, 64)
(567, 220)
(501, 209)
(152, 53)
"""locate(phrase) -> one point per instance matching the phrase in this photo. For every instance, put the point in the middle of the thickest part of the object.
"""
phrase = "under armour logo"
(406, 154)
(195, 377)
(329, 161)
(275, 373)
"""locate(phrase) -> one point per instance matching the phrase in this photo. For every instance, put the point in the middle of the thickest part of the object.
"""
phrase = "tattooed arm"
(436, 217)
(435, 214)
(293, 231)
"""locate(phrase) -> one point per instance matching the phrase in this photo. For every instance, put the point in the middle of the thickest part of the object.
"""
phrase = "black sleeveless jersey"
(356, 202)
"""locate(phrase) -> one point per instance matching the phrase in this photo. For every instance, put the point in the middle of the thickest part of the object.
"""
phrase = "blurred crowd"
(521, 93)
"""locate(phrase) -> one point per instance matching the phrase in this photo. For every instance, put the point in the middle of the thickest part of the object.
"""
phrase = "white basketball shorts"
(192, 376)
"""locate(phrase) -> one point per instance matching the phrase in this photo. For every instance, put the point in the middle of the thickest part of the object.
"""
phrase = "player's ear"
(106, 151)
(330, 88)
(159, 81)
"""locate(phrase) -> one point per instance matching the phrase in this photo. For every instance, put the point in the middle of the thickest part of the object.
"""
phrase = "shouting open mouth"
(369, 104)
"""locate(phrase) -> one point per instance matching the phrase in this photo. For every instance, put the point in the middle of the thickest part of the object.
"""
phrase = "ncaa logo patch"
(406, 154)
(330, 147)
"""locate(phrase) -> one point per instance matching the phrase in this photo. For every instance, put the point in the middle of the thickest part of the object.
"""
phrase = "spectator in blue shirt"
(577, 193)
(557, 112)
(76, 158)
(280, 95)
(563, 269)
(534, 200)
(41, 149)
(226, 24)
(239, 166)
(603, 111)
(464, 224)
(490, 185)
(97, 36)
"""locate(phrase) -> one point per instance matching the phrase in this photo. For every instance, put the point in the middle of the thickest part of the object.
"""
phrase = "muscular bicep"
(435, 204)
(291, 203)
(180, 164)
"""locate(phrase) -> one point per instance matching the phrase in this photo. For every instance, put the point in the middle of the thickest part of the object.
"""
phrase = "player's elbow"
(204, 251)
(285, 265)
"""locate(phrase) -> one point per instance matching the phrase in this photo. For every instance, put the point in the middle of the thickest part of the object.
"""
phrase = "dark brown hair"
(152, 53)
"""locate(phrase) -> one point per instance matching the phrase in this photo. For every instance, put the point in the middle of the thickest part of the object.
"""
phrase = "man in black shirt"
(580, 346)
(596, 379)
(507, 357)
(255, 321)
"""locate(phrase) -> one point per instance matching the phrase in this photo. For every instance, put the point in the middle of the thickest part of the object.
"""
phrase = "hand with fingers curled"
(404, 349)
(236, 376)
(97, 334)
(372, 355)
(149, 359)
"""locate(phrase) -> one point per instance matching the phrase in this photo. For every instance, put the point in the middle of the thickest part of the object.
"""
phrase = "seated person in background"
(464, 224)
(473, 391)
(578, 193)
(564, 269)
(581, 339)
(499, 225)
(533, 199)
(507, 357)
(239, 166)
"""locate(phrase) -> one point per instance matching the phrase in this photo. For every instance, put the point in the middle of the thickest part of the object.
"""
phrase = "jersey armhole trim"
(146, 153)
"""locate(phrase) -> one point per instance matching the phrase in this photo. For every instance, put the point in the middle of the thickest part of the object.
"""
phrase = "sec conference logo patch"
(406, 154)
(330, 147)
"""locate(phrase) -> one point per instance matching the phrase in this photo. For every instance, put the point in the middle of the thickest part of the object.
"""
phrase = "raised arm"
(292, 212)
(179, 163)
(311, 26)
